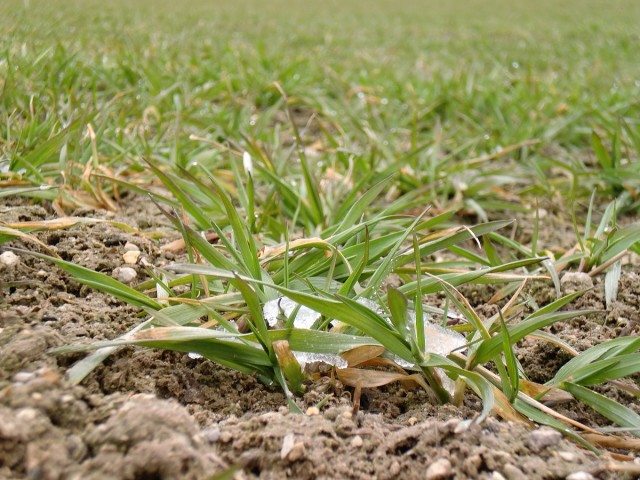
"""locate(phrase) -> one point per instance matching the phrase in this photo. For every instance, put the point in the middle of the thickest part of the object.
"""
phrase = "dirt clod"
(542, 438)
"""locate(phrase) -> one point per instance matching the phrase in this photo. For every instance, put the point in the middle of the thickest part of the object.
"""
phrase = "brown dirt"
(161, 415)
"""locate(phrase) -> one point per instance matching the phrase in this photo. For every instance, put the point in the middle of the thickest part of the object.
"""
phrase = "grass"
(325, 153)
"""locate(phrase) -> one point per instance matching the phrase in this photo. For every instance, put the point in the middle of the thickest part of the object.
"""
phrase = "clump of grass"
(311, 179)
(230, 283)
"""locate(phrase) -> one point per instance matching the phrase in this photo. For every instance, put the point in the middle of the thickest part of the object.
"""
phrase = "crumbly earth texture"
(148, 414)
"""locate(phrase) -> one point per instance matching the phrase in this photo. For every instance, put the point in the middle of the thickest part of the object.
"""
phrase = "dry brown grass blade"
(179, 245)
(270, 252)
(503, 408)
(54, 224)
(626, 387)
(501, 153)
(499, 295)
(7, 230)
(628, 468)
(537, 404)
(359, 355)
(374, 378)
(14, 183)
(383, 362)
(561, 345)
(560, 265)
(64, 222)
(548, 395)
(611, 441)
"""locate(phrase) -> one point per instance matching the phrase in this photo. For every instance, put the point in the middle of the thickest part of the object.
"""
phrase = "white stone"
(357, 442)
(291, 450)
(131, 257)
(580, 476)
(24, 377)
(288, 442)
(131, 247)
(9, 259)
(567, 456)
(125, 274)
(440, 469)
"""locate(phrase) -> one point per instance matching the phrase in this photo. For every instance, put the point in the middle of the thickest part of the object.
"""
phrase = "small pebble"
(542, 438)
(131, 247)
(439, 469)
(394, 469)
(23, 377)
(27, 414)
(291, 450)
(125, 274)
(512, 472)
(412, 421)
(313, 411)
(357, 442)
(580, 476)
(211, 435)
(567, 456)
(297, 452)
(131, 257)
(497, 476)
(347, 414)
(9, 259)
(462, 427)
(288, 442)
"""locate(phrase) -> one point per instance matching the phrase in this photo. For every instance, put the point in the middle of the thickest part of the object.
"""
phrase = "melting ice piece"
(439, 339)
(328, 358)
(305, 318)
(371, 305)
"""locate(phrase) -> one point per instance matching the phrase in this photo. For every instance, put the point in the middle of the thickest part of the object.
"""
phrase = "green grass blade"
(243, 238)
(398, 306)
(607, 369)
(255, 320)
(353, 278)
(557, 304)
(604, 159)
(359, 207)
(490, 348)
(419, 333)
(607, 350)
(477, 382)
(185, 201)
(510, 385)
(621, 415)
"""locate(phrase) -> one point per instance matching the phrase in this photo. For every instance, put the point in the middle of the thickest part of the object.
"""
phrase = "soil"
(148, 414)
